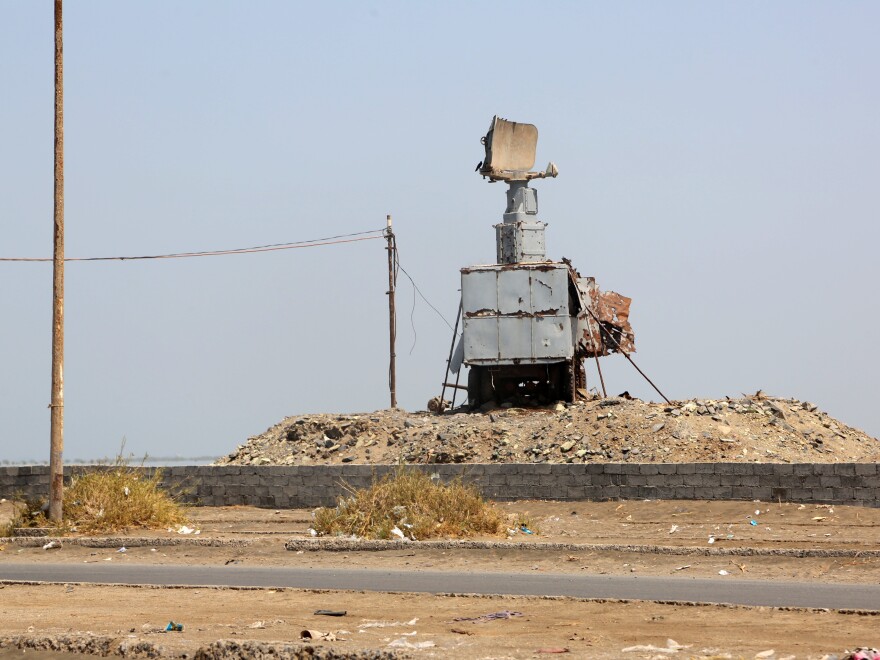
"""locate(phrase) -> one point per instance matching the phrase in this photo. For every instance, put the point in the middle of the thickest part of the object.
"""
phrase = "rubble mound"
(755, 428)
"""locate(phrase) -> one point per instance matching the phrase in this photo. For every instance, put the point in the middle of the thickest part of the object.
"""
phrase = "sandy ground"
(652, 530)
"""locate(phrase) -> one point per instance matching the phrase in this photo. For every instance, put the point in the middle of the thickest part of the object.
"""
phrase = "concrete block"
(629, 493)
(844, 494)
(649, 469)
(801, 494)
(663, 493)
(741, 493)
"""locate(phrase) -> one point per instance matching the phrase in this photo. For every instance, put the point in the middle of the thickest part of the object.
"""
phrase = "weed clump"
(108, 498)
(119, 497)
(409, 501)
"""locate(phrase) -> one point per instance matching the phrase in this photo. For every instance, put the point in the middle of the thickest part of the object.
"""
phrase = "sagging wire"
(422, 295)
(317, 242)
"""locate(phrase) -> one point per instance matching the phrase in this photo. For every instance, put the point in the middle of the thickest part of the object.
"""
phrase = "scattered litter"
(554, 649)
(388, 624)
(331, 612)
(503, 614)
(723, 572)
(396, 531)
(757, 512)
(673, 529)
(126, 491)
(153, 550)
(257, 625)
(525, 530)
(316, 635)
(52, 545)
(174, 627)
(711, 540)
(863, 653)
(406, 644)
(183, 529)
(681, 568)
(122, 549)
(753, 523)
(312, 532)
(671, 647)
(765, 654)
(819, 518)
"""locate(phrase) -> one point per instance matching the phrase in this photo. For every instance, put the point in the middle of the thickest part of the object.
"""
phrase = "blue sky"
(719, 163)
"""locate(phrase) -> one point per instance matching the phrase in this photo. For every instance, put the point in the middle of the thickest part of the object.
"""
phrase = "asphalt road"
(725, 590)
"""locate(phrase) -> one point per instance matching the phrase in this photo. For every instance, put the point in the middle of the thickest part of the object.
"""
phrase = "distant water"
(149, 461)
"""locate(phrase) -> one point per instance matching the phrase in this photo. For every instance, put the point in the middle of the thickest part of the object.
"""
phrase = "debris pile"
(756, 428)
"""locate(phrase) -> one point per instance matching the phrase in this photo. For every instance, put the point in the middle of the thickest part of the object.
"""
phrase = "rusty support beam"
(56, 431)
(455, 385)
(626, 355)
(601, 378)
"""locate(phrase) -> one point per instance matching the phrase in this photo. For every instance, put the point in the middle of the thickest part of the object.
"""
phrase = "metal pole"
(601, 379)
(449, 362)
(392, 313)
(56, 464)
(626, 355)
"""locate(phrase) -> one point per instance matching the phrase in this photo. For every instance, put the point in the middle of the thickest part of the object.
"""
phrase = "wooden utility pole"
(56, 464)
(392, 313)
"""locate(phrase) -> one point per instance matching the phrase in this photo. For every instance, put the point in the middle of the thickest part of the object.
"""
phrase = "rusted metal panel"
(603, 325)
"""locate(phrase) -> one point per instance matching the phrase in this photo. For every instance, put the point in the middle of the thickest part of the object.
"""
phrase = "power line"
(317, 242)
(397, 263)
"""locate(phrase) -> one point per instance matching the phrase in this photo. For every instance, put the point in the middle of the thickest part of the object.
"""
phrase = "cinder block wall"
(320, 485)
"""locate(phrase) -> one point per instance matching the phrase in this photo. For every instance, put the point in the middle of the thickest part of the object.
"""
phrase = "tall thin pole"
(56, 464)
(392, 313)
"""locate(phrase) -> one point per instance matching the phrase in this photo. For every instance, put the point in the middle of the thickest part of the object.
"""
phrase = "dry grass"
(411, 501)
(117, 498)
(109, 499)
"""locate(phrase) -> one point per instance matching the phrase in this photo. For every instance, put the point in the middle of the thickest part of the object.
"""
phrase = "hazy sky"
(719, 163)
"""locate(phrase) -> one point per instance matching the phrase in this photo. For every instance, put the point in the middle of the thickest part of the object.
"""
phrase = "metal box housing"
(517, 314)
(518, 242)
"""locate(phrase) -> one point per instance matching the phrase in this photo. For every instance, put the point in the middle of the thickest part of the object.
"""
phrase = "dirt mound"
(758, 428)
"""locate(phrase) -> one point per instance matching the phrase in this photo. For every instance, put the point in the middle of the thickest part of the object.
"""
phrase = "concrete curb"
(352, 545)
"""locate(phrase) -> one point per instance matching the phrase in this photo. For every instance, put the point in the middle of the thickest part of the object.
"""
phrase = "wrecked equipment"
(529, 322)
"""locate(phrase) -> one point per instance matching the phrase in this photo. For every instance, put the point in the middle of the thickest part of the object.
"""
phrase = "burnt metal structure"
(529, 322)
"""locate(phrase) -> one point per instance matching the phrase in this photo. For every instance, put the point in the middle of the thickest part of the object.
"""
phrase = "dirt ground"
(642, 537)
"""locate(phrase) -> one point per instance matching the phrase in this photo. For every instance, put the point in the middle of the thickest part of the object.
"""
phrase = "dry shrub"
(411, 501)
(118, 497)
